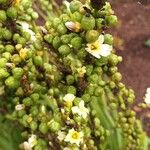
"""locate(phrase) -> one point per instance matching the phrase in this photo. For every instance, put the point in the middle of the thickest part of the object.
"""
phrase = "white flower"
(19, 107)
(147, 96)
(66, 148)
(81, 71)
(25, 27)
(74, 137)
(98, 49)
(69, 98)
(80, 110)
(28, 145)
(61, 135)
(73, 26)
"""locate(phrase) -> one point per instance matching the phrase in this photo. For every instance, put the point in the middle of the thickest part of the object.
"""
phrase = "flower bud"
(56, 42)
(64, 50)
(88, 23)
(43, 128)
(76, 42)
(38, 61)
(3, 62)
(3, 16)
(75, 5)
(9, 48)
(54, 126)
(3, 73)
(62, 29)
(111, 20)
(7, 35)
(99, 23)
(17, 73)
(11, 82)
(70, 79)
(108, 39)
(92, 36)
(12, 13)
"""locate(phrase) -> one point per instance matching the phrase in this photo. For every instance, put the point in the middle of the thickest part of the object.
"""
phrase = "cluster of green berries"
(36, 75)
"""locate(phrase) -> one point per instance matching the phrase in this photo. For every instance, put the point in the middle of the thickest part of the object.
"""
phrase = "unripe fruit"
(108, 39)
(64, 50)
(3, 16)
(76, 42)
(75, 5)
(88, 23)
(9, 48)
(11, 82)
(17, 73)
(12, 13)
(92, 36)
(111, 20)
(62, 29)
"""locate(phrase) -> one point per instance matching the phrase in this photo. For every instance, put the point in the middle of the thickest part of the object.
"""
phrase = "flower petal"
(105, 50)
(95, 54)
(101, 39)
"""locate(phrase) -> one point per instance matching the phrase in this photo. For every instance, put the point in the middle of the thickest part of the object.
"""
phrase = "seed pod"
(88, 23)
(92, 36)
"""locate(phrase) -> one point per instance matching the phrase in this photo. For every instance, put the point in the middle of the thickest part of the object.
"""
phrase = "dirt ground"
(134, 29)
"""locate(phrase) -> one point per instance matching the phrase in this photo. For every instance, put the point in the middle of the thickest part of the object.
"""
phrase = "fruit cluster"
(60, 82)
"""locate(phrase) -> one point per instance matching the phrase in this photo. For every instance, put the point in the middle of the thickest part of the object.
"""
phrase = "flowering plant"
(59, 82)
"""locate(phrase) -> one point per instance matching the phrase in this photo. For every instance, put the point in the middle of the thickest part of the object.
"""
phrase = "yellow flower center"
(75, 135)
(95, 46)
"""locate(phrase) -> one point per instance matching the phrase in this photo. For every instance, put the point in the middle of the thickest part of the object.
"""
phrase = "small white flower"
(147, 96)
(73, 26)
(68, 98)
(74, 137)
(26, 28)
(80, 110)
(61, 135)
(28, 145)
(98, 49)
(81, 71)
(19, 107)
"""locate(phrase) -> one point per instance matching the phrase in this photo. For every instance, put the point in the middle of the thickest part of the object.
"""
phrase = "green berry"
(108, 39)
(43, 128)
(54, 126)
(3, 62)
(111, 20)
(11, 82)
(27, 101)
(7, 35)
(56, 42)
(38, 61)
(88, 23)
(64, 50)
(66, 38)
(75, 6)
(3, 73)
(99, 23)
(9, 48)
(12, 12)
(92, 36)
(76, 42)
(70, 79)
(61, 29)
(3, 16)
(17, 72)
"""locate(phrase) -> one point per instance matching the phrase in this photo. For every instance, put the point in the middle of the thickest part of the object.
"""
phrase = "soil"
(134, 29)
